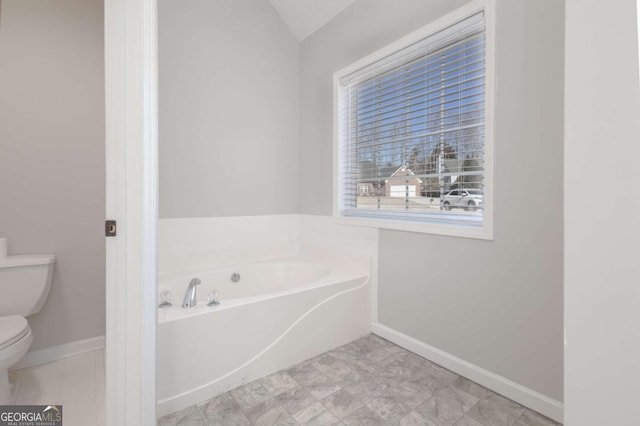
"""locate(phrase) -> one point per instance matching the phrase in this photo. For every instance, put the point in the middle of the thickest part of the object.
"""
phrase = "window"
(413, 127)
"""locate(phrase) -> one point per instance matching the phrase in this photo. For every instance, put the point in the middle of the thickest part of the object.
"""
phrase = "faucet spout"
(190, 295)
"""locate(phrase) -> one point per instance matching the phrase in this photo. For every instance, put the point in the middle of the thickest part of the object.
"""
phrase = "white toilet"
(25, 281)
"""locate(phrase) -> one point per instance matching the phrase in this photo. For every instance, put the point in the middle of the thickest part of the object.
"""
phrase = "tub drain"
(235, 277)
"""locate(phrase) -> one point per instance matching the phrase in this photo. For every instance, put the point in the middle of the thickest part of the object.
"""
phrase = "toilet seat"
(13, 328)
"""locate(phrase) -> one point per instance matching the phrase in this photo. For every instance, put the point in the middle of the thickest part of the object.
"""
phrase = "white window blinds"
(411, 131)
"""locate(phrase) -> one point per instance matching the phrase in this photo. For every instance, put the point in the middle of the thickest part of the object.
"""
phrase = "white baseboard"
(512, 390)
(54, 353)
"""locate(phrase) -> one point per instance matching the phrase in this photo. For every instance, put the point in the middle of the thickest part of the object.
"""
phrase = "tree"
(431, 184)
(470, 181)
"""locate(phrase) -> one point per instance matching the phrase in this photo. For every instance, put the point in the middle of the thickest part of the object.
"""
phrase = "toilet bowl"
(15, 340)
(24, 286)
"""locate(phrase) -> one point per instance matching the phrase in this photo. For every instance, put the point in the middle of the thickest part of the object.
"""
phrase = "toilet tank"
(25, 281)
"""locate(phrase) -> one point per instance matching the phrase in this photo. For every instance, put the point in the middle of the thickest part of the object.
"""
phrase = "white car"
(468, 199)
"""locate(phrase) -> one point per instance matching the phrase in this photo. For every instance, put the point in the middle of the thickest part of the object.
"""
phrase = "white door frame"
(131, 199)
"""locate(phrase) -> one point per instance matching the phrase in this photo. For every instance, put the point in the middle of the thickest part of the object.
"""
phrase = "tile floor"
(76, 382)
(367, 382)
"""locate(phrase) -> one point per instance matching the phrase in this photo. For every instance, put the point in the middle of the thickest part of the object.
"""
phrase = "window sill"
(481, 232)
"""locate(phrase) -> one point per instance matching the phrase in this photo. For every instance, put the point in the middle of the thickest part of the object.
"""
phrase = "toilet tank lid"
(26, 260)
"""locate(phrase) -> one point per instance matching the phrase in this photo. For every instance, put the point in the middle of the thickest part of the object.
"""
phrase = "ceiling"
(304, 17)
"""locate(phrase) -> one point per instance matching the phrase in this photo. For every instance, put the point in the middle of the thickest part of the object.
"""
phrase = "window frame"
(439, 224)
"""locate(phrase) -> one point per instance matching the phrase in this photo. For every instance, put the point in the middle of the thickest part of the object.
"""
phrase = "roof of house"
(368, 171)
(404, 171)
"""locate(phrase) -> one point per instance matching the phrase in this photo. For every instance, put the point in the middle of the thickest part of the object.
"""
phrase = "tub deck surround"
(258, 281)
(369, 381)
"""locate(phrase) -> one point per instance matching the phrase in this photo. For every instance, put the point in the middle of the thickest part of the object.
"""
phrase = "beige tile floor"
(367, 382)
(76, 382)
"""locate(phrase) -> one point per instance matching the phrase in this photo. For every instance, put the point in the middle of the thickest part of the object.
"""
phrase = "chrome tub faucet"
(190, 294)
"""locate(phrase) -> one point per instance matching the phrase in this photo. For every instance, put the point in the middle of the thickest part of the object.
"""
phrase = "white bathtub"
(279, 313)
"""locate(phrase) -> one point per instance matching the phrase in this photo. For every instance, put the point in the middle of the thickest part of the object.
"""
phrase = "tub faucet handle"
(165, 299)
(213, 298)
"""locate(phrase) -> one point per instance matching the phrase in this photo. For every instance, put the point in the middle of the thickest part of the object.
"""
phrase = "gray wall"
(497, 304)
(602, 297)
(52, 155)
(229, 109)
